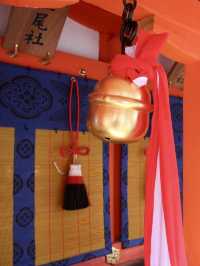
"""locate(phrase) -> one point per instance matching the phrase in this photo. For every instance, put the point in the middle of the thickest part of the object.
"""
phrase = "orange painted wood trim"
(104, 47)
(65, 63)
(184, 34)
(100, 20)
(108, 5)
(114, 46)
(182, 45)
(191, 169)
(116, 7)
(173, 91)
(62, 63)
(39, 3)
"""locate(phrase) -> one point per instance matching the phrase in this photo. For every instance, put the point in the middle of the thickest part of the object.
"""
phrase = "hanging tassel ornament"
(75, 193)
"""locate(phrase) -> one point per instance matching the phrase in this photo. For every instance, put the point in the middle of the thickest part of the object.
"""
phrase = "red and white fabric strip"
(74, 180)
(159, 246)
(164, 241)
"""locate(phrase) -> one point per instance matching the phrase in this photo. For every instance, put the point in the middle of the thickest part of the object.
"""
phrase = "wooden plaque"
(36, 31)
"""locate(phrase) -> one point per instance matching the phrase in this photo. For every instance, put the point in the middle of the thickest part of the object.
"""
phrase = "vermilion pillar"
(192, 163)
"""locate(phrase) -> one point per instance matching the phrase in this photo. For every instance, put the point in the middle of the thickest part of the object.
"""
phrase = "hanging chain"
(129, 26)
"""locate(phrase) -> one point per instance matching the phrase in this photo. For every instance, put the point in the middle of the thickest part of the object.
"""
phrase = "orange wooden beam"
(62, 62)
(172, 17)
(116, 7)
(95, 18)
(182, 45)
(184, 33)
(173, 91)
(39, 3)
(106, 22)
(110, 45)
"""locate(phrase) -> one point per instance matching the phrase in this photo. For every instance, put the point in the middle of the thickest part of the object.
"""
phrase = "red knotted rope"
(74, 148)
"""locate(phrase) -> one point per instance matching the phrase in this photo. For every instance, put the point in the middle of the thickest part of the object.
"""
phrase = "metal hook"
(60, 172)
(73, 79)
(83, 72)
(13, 53)
(47, 59)
(75, 158)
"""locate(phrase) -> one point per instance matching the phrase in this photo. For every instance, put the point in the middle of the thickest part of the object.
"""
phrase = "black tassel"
(75, 193)
(75, 197)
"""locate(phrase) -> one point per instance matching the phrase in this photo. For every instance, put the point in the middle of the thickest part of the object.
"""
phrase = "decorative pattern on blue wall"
(176, 105)
(31, 99)
(25, 97)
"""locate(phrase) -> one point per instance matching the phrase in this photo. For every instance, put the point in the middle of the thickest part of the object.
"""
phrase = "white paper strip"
(159, 246)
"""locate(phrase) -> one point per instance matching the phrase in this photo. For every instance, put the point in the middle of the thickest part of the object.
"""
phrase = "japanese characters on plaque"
(35, 36)
(35, 31)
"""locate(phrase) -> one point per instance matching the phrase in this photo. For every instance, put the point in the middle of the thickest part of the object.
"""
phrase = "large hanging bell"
(119, 110)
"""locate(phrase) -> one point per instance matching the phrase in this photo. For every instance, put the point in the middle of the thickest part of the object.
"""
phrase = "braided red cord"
(74, 81)
(74, 148)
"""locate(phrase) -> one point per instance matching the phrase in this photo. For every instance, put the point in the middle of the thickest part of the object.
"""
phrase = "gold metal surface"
(119, 110)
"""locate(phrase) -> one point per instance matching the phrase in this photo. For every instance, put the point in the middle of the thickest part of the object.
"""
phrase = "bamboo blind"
(62, 234)
(6, 196)
(136, 187)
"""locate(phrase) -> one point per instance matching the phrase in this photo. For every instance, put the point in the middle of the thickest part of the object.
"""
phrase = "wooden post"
(191, 163)
(110, 43)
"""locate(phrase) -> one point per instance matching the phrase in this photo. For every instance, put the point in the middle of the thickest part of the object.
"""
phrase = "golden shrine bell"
(119, 110)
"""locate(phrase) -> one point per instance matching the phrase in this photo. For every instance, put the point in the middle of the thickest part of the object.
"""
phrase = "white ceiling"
(78, 39)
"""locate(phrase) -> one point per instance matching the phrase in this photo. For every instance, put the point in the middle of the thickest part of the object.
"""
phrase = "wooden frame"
(184, 38)
(67, 64)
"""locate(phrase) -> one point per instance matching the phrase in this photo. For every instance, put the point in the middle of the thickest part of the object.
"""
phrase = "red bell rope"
(74, 81)
(74, 148)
